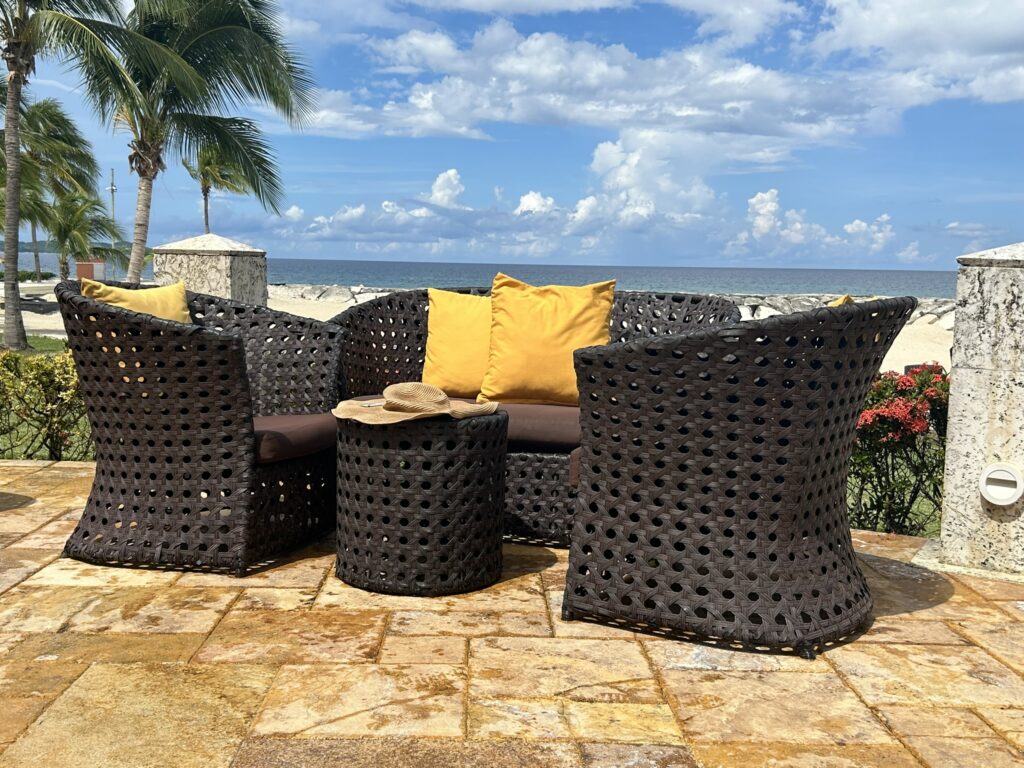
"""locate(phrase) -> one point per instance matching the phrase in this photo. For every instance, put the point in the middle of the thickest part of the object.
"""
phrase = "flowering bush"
(43, 416)
(896, 470)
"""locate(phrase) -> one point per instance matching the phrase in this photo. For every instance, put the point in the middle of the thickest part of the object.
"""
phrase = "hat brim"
(373, 411)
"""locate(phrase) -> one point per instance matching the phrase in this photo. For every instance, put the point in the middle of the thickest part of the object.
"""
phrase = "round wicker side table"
(420, 504)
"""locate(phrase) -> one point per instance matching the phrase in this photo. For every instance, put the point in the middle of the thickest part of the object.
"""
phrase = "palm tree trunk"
(14, 326)
(142, 208)
(206, 209)
(35, 255)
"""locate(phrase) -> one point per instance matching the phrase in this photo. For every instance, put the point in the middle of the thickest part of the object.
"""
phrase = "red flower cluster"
(899, 417)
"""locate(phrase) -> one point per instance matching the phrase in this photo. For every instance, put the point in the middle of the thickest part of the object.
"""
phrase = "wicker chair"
(712, 494)
(385, 342)
(181, 478)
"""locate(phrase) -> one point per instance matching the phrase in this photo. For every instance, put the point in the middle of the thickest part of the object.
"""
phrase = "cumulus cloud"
(534, 202)
(772, 230)
(294, 213)
(447, 189)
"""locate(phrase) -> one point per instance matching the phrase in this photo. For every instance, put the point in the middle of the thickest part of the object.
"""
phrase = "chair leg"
(806, 651)
(567, 614)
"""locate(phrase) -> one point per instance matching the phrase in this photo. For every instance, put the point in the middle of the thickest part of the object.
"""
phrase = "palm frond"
(240, 144)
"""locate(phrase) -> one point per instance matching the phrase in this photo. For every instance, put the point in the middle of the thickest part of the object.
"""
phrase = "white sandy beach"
(924, 340)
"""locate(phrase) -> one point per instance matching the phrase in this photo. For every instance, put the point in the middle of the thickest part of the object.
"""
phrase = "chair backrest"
(169, 405)
(386, 337)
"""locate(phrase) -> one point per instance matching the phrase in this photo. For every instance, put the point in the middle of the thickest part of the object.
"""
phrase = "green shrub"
(43, 416)
(896, 473)
(25, 275)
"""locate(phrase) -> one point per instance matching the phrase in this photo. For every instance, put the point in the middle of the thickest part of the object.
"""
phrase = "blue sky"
(834, 133)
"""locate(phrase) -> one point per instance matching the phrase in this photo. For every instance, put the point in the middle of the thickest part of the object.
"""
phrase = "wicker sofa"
(214, 445)
(712, 493)
(385, 340)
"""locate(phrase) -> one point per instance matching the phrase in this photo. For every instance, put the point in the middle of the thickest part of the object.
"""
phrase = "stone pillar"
(215, 265)
(986, 411)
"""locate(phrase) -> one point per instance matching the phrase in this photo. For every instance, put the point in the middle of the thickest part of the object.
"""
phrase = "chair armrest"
(294, 363)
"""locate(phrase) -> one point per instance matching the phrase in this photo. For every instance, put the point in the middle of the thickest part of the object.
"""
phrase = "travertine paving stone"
(517, 719)
(74, 573)
(365, 700)
(275, 637)
(276, 598)
(1004, 640)
(940, 675)
(771, 706)
(669, 654)
(470, 623)
(623, 722)
(135, 715)
(79, 648)
(291, 667)
(940, 752)
(26, 688)
(423, 650)
(163, 610)
(43, 609)
(404, 753)
(17, 564)
(784, 755)
(581, 670)
(50, 536)
(1009, 723)
(636, 756)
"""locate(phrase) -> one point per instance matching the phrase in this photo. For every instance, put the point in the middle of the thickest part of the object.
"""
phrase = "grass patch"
(46, 345)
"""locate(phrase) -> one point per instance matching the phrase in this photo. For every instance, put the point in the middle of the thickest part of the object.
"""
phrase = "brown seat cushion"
(536, 428)
(542, 428)
(279, 438)
(574, 467)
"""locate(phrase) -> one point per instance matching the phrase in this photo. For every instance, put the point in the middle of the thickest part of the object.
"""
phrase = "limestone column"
(215, 265)
(986, 414)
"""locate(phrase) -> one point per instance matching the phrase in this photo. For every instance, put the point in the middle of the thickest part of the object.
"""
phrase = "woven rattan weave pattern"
(171, 408)
(712, 496)
(420, 504)
(385, 343)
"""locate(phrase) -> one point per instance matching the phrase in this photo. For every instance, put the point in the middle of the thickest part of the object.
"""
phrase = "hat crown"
(415, 397)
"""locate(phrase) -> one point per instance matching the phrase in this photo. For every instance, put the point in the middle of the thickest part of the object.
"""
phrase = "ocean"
(395, 274)
(385, 274)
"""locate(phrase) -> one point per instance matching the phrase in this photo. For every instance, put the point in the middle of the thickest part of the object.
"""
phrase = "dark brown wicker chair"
(182, 478)
(385, 342)
(712, 494)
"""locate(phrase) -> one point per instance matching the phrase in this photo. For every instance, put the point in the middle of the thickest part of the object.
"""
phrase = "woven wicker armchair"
(385, 339)
(712, 494)
(179, 476)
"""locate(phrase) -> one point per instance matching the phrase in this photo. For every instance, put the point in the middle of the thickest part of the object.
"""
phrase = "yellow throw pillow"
(842, 300)
(534, 331)
(458, 341)
(167, 302)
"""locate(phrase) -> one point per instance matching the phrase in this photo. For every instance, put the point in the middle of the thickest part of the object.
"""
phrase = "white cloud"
(911, 254)
(534, 202)
(771, 230)
(447, 189)
(294, 213)
(964, 48)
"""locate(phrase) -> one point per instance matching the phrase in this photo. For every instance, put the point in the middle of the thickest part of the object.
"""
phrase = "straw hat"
(411, 400)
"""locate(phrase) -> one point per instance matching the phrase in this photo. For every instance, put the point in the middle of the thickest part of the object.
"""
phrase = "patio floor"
(289, 667)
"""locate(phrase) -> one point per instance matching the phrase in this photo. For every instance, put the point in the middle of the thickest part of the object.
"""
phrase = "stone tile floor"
(115, 667)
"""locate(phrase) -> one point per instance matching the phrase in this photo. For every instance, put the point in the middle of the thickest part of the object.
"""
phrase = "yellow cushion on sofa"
(458, 341)
(841, 301)
(534, 332)
(167, 302)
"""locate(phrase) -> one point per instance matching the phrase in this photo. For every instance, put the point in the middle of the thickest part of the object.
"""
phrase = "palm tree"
(80, 227)
(52, 142)
(215, 171)
(89, 34)
(238, 48)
